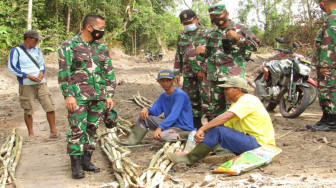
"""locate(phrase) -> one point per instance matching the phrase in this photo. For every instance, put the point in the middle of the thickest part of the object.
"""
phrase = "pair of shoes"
(30, 139)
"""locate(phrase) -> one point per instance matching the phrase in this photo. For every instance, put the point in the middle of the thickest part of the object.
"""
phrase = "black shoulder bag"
(30, 57)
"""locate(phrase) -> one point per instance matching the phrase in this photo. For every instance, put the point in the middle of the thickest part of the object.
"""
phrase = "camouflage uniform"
(187, 63)
(86, 73)
(325, 56)
(225, 58)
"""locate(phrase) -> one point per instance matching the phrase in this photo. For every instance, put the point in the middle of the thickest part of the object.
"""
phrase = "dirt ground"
(308, 158)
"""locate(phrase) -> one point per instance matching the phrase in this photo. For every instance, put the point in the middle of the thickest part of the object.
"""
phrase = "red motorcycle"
(286, 82)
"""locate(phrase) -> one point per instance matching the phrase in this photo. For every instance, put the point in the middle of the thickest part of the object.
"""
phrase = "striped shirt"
(21, 65)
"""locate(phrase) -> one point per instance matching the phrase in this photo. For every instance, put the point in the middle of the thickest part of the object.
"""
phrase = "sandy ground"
(308, 158)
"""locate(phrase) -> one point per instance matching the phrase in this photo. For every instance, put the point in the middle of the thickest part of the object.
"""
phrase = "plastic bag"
(250, 160)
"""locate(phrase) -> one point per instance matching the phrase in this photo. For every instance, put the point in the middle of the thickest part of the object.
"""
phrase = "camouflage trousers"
(191, 86)
(213, 98)
(83, 123)
(327, 99)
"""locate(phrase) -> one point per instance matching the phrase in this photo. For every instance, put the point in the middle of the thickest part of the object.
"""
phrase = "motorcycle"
(150, 57)
(286, 82)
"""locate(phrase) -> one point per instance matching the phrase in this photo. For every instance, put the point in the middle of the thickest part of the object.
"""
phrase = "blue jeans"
(230, 139)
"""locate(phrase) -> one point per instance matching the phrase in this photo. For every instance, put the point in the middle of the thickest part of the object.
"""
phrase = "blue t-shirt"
(176, 108)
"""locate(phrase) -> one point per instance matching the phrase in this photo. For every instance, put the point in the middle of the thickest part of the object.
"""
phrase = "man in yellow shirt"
(247, 125)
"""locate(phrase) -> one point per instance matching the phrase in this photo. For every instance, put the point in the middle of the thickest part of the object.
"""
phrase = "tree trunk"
(68, 18)
(29, 19)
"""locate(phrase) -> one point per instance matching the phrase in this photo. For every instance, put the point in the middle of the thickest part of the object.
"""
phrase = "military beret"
(187, 15)
(217, 9)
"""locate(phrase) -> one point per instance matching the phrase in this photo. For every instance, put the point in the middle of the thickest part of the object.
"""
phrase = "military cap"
(235, 82)
(217, 9)
(32, 34)
(187, 15)
(165, 74)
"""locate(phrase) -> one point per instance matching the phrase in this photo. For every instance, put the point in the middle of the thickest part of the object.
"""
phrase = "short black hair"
(91, 19)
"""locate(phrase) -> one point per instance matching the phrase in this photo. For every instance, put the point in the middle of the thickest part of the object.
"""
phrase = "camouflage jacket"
(226, 57)
(325, 51)
(85, 70)
(187, 63)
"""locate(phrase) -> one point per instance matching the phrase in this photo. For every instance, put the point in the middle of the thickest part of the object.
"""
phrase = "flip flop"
(55, 136)
(30, 139)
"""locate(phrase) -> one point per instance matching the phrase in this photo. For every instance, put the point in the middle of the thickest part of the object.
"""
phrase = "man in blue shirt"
(33, 85)
(174, 103)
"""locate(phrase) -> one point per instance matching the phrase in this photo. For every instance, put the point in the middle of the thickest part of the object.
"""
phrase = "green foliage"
(292, 20)
(130, 24)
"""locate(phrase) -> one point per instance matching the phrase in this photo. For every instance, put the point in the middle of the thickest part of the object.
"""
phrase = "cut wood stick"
(285, 134)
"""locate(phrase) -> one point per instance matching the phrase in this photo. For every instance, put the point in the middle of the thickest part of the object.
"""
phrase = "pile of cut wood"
(10, 153)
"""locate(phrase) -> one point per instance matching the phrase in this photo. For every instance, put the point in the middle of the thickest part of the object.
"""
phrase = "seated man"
(175, 105)
(247, 125)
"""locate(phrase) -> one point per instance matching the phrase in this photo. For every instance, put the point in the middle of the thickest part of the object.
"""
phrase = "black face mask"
(219, 21)
(97, 34)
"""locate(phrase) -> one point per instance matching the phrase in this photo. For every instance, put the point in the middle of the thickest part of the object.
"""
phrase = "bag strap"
(30, 57)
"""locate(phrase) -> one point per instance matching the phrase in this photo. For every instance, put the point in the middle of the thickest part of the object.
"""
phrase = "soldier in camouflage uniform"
(187, 63)
(227, 48)
(324, 59)
(86, 78)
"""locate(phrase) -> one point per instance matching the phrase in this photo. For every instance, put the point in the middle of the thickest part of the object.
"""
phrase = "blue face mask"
(191, 27)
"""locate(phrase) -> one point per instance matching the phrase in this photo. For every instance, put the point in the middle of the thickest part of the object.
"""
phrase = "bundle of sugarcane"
(144, 102)
(160, 165)
(141, 100)
(124, 169)
(10, 153)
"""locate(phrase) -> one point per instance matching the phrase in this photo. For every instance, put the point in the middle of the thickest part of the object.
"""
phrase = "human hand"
(157, 134)
(200, 49)
(70, 103)
(201, 76)
(109, 103)
(325, 71)
(40, 76)
(233, 34)
(33, 78)
(144, 114)
(177, 80)
(199, 136)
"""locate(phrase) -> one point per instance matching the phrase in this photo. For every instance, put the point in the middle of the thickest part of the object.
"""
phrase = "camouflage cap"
(217, 9)
(235, 82)
(187, 15)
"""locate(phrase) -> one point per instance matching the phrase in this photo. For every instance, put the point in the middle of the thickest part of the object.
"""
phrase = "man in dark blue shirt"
(174, 103)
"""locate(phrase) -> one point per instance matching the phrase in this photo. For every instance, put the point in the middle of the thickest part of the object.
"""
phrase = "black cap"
(32, 34)
(187, 15)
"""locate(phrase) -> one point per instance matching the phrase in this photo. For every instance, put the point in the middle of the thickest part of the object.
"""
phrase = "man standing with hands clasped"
(188, 63)
(324, 59)
(27, 63)
(86, 78)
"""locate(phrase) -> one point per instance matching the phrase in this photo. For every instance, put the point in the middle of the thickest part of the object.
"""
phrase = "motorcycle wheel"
(313, 93)
(300, 102)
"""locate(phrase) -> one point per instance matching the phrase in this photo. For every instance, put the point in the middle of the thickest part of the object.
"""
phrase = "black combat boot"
(324, 119)
(87, 165)
(197, 122)
(330, 125)
(76, 166)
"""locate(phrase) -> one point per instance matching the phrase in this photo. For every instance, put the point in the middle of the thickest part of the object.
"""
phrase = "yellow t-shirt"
(252, 118)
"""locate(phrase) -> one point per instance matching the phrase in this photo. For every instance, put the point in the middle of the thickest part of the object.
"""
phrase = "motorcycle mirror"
(296, 45)
(280, 40)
